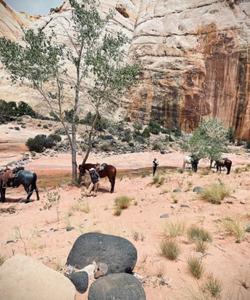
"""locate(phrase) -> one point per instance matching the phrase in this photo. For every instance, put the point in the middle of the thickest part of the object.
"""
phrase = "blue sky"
(33, 7)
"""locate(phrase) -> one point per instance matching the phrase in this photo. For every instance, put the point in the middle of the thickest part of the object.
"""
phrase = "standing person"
(95, 178)
(155, 165)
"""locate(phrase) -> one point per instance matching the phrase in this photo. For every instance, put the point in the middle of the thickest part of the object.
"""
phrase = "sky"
(34, 7)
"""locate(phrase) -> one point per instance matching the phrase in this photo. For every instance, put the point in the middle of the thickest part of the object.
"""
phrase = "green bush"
(37, 143)
(101, 124)
(154, 127)
(126, 136)
(9, 111)
(248, 144)
(146, 133)
(41, 142)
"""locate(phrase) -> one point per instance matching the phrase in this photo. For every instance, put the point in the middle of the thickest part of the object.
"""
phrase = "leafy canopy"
(209, 140)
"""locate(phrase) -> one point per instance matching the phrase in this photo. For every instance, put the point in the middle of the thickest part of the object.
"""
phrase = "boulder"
(80, 281)
(23, 278)
(198, 189)
(117, 253)
(120, 286)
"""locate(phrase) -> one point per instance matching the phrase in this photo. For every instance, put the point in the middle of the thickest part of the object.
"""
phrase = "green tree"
(96, 56)
(209, 140)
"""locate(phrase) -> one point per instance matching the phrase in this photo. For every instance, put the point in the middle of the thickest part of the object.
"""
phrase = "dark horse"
(227, 163)
(107, 171)
(17, 177)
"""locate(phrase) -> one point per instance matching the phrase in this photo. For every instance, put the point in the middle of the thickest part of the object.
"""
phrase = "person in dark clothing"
(95, 178)
(155, 165)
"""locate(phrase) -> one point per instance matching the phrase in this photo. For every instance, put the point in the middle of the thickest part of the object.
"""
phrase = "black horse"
(107, 171)
(21, 177)
(227, 163)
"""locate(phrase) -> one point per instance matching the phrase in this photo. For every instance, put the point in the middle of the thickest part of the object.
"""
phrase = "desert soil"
(44, 233)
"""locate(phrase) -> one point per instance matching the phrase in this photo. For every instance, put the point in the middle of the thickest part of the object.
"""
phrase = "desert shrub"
(139, 138)
(101, 124)
(215, 193)
(11, 110)
(123, 202)
(126, 135)
(81, 206)
(231, 135)
(195, 233)
(174, 229)
(195, 267)
(213, 286)
(25, 109)
(60, 131)
(248, 144)
(158, 180)
(68, 116)
(146, 132)
(235, 228)
(40, 142)
(169, 249)
(154, 127)
(37, 143)
(55, 137)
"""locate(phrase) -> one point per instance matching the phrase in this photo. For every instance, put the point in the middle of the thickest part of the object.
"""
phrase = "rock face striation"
(194, 56)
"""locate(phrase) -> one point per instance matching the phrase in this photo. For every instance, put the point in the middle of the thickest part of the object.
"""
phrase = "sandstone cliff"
(195, 58)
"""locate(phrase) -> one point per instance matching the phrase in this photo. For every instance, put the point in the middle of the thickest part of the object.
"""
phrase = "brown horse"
(227, 163)
(5, 178)
(107, 171)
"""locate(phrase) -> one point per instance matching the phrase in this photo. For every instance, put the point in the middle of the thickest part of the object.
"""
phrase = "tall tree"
(209, 140)
(97, 57)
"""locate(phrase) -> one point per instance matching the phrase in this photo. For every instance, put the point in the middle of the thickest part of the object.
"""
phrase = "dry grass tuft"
(213, 286)
(81, 206)
(2, 259)
(200, 246)
(215, 193)
(158, 181)
(235, 228)
(122, 202)
(195, 267)
(170, 249)
(195, 233)
(174, 229)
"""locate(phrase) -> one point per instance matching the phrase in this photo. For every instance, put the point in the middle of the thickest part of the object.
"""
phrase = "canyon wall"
(195, 58)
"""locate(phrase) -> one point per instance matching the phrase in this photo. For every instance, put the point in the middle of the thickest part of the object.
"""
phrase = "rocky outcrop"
(194, 54)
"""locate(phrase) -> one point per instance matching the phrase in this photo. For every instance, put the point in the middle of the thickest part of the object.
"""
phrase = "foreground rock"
(23, 278)
(117, 286)
(117, 253)
(80, 281)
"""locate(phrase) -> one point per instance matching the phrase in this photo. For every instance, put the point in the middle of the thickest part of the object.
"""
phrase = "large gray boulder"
(80, 281)
(117, 253)
(23, 278)
(120, 286)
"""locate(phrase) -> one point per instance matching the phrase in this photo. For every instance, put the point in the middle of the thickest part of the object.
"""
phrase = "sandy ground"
(42, 233)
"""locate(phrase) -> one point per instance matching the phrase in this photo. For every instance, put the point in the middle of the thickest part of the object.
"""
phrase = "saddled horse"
(15, 178)
(191, 160)
(105, 171)
(225, 162)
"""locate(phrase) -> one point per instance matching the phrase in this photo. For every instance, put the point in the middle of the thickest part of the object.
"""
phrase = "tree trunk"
(73, 155)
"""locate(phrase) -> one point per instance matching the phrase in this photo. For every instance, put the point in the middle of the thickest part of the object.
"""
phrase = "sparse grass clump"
(121, 203)
(81, 206)
(195, 267)
(200, 246)
(215, 193)
(158, 181)
(234, 228)
(195, 233)
(170, 249)
(174, 229)
(213, 286)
